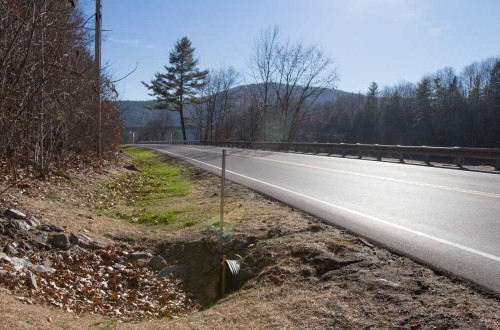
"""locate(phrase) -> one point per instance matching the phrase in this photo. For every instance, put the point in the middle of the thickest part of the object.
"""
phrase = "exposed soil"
(296, 272)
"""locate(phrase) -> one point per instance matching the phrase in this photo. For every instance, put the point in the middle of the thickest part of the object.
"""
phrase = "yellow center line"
(377, 177)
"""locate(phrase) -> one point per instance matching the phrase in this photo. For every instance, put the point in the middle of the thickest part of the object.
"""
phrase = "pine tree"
(372, 97)
(369, 116)
(423, 120)
(493, 103)
(180, 84)
(392, 119)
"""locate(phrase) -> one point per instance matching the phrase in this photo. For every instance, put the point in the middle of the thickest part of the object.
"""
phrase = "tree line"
(48, 90)
(280, 100)
(442, 109)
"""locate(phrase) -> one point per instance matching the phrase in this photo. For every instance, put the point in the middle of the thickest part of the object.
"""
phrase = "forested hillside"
(443, 109)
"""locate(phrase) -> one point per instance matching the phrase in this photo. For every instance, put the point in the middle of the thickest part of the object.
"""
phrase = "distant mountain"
(136, 114)
(327, 95)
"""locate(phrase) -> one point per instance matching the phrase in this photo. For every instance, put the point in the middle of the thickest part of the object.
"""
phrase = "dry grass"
(297, 272)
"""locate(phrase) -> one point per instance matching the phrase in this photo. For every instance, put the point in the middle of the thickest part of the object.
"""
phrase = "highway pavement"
(446, 218)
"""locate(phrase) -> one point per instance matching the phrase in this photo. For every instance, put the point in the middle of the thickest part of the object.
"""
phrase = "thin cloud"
(438, 31)
(396, 10)
(135, 43)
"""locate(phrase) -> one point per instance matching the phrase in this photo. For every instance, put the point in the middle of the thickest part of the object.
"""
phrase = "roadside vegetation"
(151, 193)
(49, 105)
(296, 272)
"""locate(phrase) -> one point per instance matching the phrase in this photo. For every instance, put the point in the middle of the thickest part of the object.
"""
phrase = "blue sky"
(371, 40)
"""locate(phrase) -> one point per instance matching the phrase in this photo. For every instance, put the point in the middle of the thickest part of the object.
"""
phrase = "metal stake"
(223, 178)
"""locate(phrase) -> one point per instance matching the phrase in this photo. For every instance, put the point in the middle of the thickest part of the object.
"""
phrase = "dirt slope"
(297, 272)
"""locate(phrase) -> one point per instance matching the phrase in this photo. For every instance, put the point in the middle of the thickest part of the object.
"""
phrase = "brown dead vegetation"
(297, 272)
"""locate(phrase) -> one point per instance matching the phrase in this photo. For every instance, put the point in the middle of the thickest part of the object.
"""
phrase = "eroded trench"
(198, 264)
(310, 253)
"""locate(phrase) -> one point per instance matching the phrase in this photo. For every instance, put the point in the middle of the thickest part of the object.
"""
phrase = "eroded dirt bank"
(296, 271)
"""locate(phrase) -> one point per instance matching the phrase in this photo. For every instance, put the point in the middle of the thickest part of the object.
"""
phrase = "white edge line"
(415, 232)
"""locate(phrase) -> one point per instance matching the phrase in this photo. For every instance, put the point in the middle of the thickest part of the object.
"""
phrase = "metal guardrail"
(459, 154)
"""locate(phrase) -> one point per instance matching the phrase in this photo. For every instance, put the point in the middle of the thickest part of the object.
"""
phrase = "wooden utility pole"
(98, 22)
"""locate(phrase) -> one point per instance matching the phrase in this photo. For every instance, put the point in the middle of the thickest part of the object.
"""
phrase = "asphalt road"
(449, 219)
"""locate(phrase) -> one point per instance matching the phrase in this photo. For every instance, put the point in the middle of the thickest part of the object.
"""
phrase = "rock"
(60, 241)
(138, 255)
(1, 229)
(85, 242)
(14, 214)
(157, 263)
(24, 245)
(10, 250)
(23, 226)
(121, 260)
(119, 266)
(131, 167)
(169, 270)
(11, 232)
(33, 222)
(41, 238)
(387, 283)
(31, 281)
(5, 257)
(21, 263)
(52, 228)
(77, 249)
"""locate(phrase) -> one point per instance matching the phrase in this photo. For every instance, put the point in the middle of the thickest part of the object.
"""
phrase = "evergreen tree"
(372, 98)
(493, 103)
(180, 84)
(423, 121)
(457, 114)
(392, 119)
(369, 116)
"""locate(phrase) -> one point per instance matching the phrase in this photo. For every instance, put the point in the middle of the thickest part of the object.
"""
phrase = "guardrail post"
(427, 159)
(360, 156)
(401, 158)
(344, 153)
(379, 156)
(459, 161)
(497, 165)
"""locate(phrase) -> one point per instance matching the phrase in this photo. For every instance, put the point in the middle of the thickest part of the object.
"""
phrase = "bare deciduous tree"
(289, 78)
(215, 110)
(47, 86)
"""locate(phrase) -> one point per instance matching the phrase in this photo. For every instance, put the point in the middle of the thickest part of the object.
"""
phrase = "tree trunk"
(183, 127)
